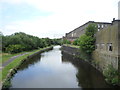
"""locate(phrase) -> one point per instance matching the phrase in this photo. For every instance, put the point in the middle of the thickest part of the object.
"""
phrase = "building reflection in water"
(87, 76)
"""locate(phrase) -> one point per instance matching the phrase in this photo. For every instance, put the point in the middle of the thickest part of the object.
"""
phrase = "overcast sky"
(53, 18)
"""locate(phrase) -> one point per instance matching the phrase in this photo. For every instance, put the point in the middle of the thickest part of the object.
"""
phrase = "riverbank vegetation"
(66, 41)
(16, 62)
(112, 75)
(19, 42)
(71, 45)
(6, 72)
(86, 42)
(7, 56)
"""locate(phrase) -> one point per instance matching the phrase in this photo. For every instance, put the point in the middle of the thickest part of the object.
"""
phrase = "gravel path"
(10, 60)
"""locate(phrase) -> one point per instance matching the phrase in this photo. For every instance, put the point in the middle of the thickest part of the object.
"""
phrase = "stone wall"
(119, 10)
(107, 44)
(75, 53)
(119, 47)
(71, 50)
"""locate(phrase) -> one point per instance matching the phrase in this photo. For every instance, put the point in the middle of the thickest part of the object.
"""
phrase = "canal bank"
(76, 53)
(111, 74)
(15, 65)
(56, 69)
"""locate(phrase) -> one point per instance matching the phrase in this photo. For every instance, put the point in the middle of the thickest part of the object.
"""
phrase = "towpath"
(7, 62)
(10, 60)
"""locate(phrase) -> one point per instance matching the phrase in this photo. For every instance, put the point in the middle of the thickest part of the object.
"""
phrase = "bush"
(87, 40)
(76, 42)
(14, 43)
(66, 42)
(87, 44)
(91, 30)
(14, 48)
(111, 75)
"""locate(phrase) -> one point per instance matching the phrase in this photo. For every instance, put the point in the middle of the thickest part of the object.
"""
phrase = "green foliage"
(96, 62)
(57, 42)
(66, 41)
(111, 75)
(17, 62)
(87, 44)
(7, 84)
(14, 48)
(76, 42)
(18, 42)
(91, 30)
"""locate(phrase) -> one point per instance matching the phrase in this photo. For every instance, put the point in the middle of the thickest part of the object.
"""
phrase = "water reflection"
(87, 76)
(54, 69)
(48, 72)
(31, 61)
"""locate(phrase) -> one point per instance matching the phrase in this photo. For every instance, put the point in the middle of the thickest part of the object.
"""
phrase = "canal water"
(56, 69)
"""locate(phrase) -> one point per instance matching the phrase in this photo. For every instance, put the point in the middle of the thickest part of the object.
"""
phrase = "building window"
(110, 47)
(105, 25)
(98, 26)
(97, 46)
(102, 26)
(102, 46)
(72, 34)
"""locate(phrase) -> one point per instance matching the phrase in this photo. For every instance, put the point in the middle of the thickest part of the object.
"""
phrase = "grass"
(0, 59)
(15, 63)
(70, 45)
(0, 76)
(7, 56)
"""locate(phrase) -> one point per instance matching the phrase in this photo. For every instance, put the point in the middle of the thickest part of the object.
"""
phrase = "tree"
(16, 41)
(91, 30)
(87, 41)
(66, 41)
(14, 48)
(87, 44)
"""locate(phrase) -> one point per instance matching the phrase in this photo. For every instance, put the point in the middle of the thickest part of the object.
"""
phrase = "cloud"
(67, 15)
(12, 1)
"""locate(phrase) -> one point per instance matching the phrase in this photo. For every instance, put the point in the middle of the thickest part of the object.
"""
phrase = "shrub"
(87, 44)
(66, 42)
(14, 48)
(91, 30)
(111, 75)
(76, 42)
(13, 43)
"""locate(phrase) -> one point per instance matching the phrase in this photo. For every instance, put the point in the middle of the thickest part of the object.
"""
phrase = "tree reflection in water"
(30, 62)
(87, 76)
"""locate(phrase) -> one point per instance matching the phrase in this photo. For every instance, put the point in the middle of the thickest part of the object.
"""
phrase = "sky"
(53, 18)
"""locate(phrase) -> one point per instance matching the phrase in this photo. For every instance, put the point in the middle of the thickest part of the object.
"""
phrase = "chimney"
(113, 19)
(119, 10)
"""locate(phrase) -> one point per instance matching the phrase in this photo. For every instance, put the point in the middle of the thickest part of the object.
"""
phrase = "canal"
(56, 69)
